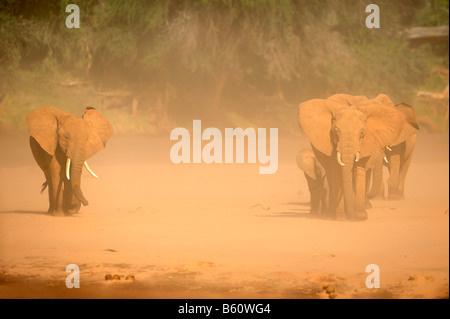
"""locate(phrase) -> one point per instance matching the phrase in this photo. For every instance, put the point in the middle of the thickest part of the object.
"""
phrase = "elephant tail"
(44, 186)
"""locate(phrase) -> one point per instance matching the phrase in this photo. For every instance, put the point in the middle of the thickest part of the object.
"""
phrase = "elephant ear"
(100, 131)
(411, 122)
(410, 114)
(314, 117)
(383, 127)
(42, 125)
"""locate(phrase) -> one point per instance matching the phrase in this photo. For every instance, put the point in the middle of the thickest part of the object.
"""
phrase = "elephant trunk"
(75, 180)
(349, 196)
(347, 160)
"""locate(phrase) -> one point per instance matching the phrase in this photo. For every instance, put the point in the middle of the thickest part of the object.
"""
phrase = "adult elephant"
(61, 143)
(343, 138)
(398, 157)
(316, 178)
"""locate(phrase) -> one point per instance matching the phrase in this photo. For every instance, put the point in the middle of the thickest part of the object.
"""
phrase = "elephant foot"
(73, 211)
(315, 212)
(73, 208)
(340, 215)
(395, 197)
(361, 215)
(57, 213)
(368, 204)
(358, 215)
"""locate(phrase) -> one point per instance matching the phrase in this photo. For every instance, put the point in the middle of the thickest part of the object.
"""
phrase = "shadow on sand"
(28, 212)
(294, 210)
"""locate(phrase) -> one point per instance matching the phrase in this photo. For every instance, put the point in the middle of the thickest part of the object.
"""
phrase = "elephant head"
(308, 164)
(78, 138)
(347, 99)
(346, 133)
(359, 100)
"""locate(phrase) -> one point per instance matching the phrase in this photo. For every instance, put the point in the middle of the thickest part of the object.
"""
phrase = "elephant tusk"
(357, 157)
(386, 160)
(339, 159)
(388, 148)
(89, 170)
(68, 168)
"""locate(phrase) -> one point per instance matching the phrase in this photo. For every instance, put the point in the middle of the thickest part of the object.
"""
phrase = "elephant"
(61, 143)
(316, 179)
(347, 99)
(344, 136)
(374, 176)
(398, 157)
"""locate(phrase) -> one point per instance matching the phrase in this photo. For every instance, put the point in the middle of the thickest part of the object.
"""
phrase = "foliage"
(219, 59)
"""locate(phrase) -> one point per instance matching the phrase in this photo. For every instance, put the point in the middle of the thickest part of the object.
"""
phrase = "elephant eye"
(362, 132)
(336, 129)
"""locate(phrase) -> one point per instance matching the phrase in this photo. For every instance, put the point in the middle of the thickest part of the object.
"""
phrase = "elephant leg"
(335, 199)
(331, 177)
(402, 176)
(340, 213)
(324, 196)
(405, 163)
(315, 190)
(377, 184)
(56, 188)
(368, 178)
(336, 203)
(44, 160)
(394, 171)
(360, 192)
(381, 190)
(71, 204)
(51, 202)
(336, 207)
(368, 203)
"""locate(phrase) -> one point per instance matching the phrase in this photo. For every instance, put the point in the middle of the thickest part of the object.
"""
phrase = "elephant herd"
(352, 138)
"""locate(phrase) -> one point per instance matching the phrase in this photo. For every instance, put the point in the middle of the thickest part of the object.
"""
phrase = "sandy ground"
(217, 231)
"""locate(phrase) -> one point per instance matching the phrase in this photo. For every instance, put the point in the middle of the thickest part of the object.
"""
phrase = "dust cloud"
(161, 230)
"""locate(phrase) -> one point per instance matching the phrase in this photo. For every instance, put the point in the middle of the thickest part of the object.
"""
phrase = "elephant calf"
(61, 143)
(316, 179)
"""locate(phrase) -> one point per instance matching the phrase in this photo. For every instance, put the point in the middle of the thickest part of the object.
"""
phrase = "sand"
(217, 231)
